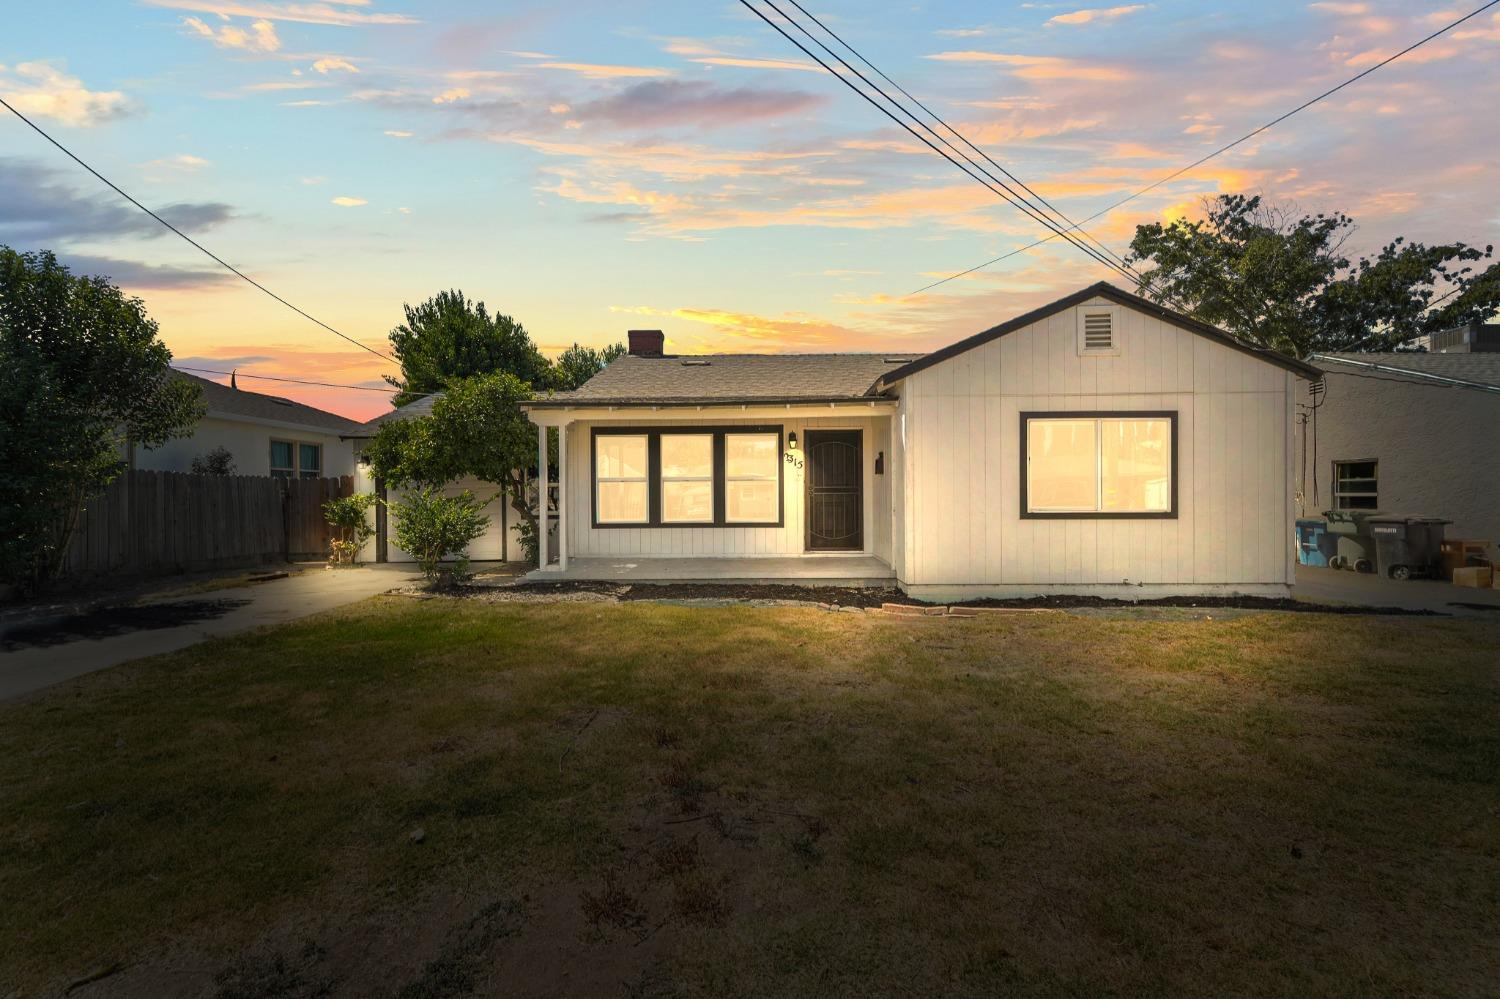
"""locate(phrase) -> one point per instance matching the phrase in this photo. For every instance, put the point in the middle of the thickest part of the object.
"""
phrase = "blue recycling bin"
(1312, 542)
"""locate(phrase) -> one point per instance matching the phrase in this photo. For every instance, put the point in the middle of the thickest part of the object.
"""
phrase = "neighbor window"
(291, 460)
(1355, 485)
(1088, 465)
(687, 478)
(620, 463)
(752, 477)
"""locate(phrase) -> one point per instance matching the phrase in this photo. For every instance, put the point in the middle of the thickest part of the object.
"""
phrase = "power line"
(956, 134)
(1222, 149)
(273, 378)
(1017, 202)
(194, 243)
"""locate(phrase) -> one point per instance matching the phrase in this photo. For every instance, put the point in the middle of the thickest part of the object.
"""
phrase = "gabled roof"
(1460, 370)
(224, 401)
(720, 379)
(417, 407)
(1107, 291)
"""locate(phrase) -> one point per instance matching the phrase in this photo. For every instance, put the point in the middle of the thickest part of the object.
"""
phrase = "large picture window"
(620, 478)
(1099, 465)
(687, 476)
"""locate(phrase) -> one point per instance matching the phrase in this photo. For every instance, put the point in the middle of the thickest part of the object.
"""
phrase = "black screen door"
(835, 491)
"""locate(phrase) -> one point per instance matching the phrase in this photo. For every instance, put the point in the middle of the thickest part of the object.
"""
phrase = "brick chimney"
(647, 343)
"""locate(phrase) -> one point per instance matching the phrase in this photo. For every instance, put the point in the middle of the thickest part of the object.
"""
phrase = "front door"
(835, 491)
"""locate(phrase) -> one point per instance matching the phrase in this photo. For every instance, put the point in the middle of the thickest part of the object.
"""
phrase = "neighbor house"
(1409, 433)
(1101, 445)
(264, 434)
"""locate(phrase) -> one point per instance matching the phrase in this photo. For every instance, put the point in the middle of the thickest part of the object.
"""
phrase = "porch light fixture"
(791, 440)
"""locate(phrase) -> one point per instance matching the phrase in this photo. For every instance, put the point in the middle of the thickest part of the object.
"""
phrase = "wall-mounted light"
(791, 440)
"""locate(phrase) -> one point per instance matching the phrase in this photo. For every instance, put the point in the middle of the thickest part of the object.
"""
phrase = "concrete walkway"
(38, 653)
(1342, 586)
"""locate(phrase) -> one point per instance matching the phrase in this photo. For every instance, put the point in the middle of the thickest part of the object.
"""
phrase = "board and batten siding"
(958, 438)
(585, 540)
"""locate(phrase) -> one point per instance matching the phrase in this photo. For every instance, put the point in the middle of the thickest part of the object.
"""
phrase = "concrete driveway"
(39, 652)
(1342, 586)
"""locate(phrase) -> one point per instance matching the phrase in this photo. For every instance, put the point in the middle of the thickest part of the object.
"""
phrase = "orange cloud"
(1039, 67)
(596, 71)
(1092, 14)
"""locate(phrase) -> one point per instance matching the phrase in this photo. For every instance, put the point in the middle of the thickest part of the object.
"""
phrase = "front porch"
(803, 570)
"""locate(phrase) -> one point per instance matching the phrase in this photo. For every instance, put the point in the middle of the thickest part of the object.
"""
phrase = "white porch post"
(541, 497)
(562, 496)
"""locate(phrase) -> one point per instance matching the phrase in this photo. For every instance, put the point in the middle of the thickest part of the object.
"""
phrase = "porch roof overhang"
(554, 412)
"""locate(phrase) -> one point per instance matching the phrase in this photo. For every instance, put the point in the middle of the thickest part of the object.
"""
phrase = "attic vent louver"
(1096, 331)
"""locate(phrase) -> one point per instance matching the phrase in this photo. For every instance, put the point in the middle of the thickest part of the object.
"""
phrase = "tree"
(448, 337)
(348, 515)
(1283, 281)
(83, 376)
(216, 462)
(434, 528)
(577, 364)
(476, 428)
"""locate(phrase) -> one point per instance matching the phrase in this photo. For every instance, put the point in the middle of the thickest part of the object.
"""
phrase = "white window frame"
(1340, 494)
(774, 478)
(1097, 512)
(295, 469)
(600, 479)
(664, 478)
(1113, 311)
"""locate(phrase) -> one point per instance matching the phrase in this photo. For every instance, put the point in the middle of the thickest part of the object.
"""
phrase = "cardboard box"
(1475, 576)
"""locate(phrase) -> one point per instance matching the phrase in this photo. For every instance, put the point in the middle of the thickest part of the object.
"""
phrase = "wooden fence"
(154, 523)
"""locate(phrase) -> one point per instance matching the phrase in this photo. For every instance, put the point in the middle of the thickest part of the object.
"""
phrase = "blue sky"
(596, 166)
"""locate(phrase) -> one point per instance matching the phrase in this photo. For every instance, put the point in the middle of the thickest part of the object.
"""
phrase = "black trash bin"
(1408, 547)
(1350, 543)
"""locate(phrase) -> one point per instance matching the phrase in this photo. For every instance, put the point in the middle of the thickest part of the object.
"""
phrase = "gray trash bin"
(1350, 541)
(1408, 547)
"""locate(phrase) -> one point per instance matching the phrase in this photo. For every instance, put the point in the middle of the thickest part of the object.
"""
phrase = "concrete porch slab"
(810, 570)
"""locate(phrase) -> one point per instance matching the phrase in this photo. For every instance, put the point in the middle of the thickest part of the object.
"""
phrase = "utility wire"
(956, 134)
(273, 378)
(194, 243)
(1225, 148)
(1025, 207)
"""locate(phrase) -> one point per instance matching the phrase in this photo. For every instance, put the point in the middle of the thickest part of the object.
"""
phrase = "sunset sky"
(588, 167)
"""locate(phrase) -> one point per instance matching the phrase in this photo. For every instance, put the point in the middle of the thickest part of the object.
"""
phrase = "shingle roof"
(730, 378)
(238, 402)
(1480, 369)
(417, 407)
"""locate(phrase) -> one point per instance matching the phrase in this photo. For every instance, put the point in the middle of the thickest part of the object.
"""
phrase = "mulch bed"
(875, 598)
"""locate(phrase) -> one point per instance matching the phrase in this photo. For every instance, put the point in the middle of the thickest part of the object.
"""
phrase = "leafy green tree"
(476, 428)
(449, 337)
(578, 364)
(1284, 282)
(82, 377)
(349, 516)
(434, 528)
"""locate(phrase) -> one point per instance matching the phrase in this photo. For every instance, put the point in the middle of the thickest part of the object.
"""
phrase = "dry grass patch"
(655, 800)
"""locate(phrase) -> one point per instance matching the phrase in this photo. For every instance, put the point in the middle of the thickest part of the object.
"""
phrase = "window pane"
(687, 502)
(621, 456)
(750, 501)
(751, 456)
(622, 502)
(687, 456)
(1061, 465)
(310, 458)
(1137, 465)
(281, 454)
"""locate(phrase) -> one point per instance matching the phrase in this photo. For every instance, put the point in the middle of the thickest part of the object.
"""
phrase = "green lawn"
(443, 798)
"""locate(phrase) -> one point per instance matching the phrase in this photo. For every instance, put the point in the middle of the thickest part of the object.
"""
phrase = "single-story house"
(1409, 433)
(265, 434)
(1098, 445)
(501, 541)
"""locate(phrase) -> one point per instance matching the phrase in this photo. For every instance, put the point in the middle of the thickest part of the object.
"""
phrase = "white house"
(265, 434)
(1101, 444)
(1409, 433)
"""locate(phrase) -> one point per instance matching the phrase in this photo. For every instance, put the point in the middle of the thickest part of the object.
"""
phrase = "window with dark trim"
(725, 476)
(1099, 465)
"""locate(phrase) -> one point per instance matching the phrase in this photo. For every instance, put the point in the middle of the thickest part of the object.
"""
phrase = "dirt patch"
(108, 622)
(874, 598)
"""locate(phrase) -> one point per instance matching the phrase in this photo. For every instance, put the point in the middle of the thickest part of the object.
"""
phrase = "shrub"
(347, 515)
(433, 528)
(216, 462)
